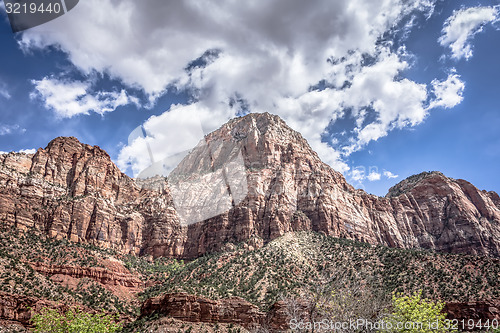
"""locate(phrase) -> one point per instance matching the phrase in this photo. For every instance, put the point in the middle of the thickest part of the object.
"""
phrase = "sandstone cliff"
(267, 181)
(20, 309)
(191, 308)
(201, 309)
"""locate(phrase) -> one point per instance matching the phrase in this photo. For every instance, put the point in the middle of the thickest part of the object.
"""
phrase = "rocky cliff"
(253, 178)
(191, 308)
(20, 309)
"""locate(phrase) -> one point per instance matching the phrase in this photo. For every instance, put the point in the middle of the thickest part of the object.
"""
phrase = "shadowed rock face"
(20, 309)
(479, 310)
(193, 308)
(275, 184)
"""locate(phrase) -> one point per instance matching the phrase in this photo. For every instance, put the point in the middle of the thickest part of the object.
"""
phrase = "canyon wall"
(275, 183)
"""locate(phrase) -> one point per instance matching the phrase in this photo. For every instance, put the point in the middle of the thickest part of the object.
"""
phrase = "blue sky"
(381, 89)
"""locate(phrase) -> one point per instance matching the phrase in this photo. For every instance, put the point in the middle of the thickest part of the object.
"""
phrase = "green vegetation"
(416, 314)
(152, 270)
(73, 321)
(20, 252)
(291, 267)
(296, 263)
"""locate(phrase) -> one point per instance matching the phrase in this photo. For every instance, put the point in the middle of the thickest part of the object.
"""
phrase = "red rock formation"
(99, 274)
(72, 190)
(197, 309)
(480, 310)
(290, 189)
(280, 314)
(21, 309)
(16, 308)
(193, 308)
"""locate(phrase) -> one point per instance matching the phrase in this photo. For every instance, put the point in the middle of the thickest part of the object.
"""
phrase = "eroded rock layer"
(262, 180)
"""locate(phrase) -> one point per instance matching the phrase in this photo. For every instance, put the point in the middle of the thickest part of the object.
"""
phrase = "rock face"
(234, 310)
(19, 309)
(72, 190)
(193, 308)
(102, 275)
(16, 308)
(481, 310)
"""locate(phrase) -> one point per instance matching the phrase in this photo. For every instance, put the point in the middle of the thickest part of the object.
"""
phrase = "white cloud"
(459, 29)
(373, 176)
(28, 151)
(9, 129)
(271, 53)
(70, 98)
(395, 103)
(390, 175)
(449, 92)
(24, 151)
(358, 174)
(170, 135)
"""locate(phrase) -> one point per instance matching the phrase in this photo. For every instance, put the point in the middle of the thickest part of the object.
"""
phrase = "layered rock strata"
(275, 183)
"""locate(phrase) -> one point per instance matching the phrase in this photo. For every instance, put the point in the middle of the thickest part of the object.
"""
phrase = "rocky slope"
(307, 260)
(191, 308)
(247, 286)
(252, 179)
(239, 286)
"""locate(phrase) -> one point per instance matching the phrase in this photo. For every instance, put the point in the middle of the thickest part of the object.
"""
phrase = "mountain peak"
(253, 178)
(409, 183)
(264, 139)
(69, 144)
(262, 123)
(63, 140)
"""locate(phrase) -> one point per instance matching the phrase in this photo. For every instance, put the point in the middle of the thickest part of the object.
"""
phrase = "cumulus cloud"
(393, 102)
(461, 27)
(449, 92)
(157, 139)
(359, 174)
(373, 176)
(390, 175)
(312, 63)
(70, 98)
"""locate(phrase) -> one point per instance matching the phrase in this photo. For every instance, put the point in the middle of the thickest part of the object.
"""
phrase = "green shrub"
(73, 321)
(416, 314)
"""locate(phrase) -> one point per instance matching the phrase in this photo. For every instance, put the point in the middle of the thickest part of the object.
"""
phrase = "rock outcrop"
(479, 311)
(102, 275)
(196, 309)
(253, 178)
(20, 309)
(193, 308)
